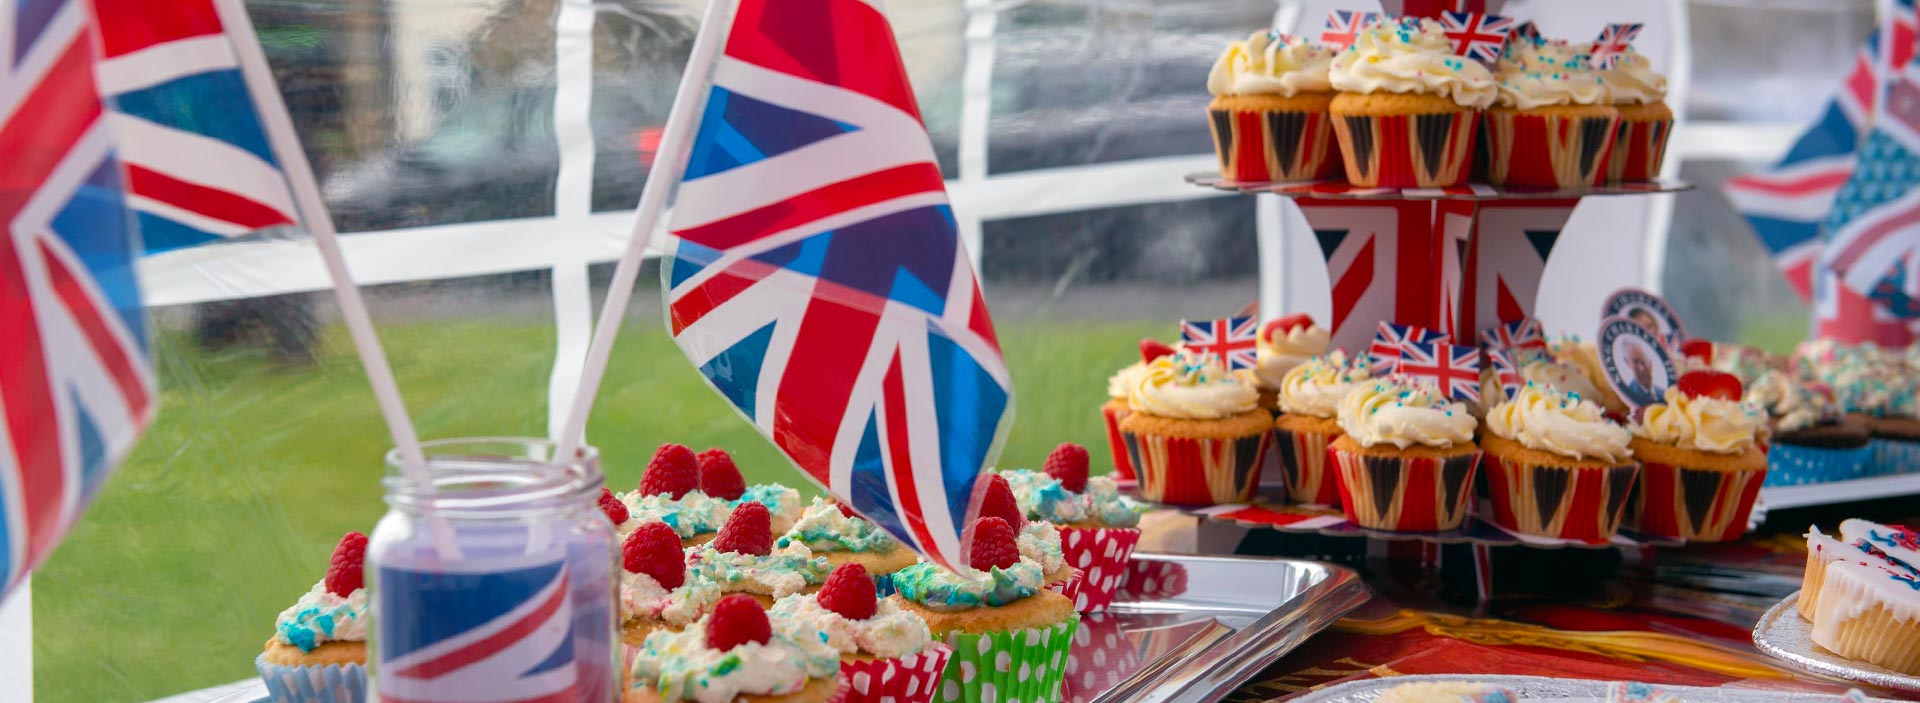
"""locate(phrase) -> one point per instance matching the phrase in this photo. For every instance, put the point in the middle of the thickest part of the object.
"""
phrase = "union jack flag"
(1511, 242)
(500, 636)
(1519, 334)
(1506, 372)
(1614, 42)
(1874, 230)
(1526, 31)
(1343, 27)
(1452, 368)
(1476, 36)
(1379, 262)
(1233, 339)
(76, 382)
(818, 279)
(1391, 340)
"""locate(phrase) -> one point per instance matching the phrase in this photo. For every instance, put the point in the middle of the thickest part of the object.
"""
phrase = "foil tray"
(1182, 628)
(1781, 634)
(1541, 689)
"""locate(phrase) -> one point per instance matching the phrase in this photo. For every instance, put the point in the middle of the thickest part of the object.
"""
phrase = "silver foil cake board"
(1783, 635)
(1542, 689)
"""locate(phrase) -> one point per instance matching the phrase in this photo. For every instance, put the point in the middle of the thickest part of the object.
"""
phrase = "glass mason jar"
(494, 582)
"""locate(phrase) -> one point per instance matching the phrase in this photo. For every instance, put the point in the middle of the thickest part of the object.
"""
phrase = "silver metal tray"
(1541, 689)
(1781, 634)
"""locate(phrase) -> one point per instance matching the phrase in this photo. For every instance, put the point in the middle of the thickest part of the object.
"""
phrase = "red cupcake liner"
(1547, 151)
(1116, 440)
(1102, 554)
(1102, 657)
(1152, 579)
(1638, 149)
(1407, 151)
(1584, 503)
(1697, 505)
(1185, 471)
(910, 679)
(1303, 459)
(1405, 494)
(1258, 146)
(1070, 587)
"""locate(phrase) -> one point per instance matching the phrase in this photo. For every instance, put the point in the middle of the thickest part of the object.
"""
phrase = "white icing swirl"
(321, 616)
(1632, 81)
(1411, 56)
(1539, 73)
(1121, 380)
(1404, 413)
(1282, 350)
(641, 596)
(1706, 424)
(1271, 64)
(1545, 419)
(891, 633)
(1040, 541)
(1315, 388)
(682, 666)
(1186, 386)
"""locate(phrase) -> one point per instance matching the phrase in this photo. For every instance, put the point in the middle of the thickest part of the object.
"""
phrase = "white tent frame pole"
(572, 202)
(976, 117)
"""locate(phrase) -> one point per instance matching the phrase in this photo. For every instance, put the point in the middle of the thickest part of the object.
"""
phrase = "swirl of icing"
(942, 590)
(1542, 418)
(1632, 80)
(1191, 387)
(1706, 424)
(1270, 63)
(1411, 56)
(1315, 388)
(1538, 73)
(891, 631)
(680, 666)
(1108, 506)
(1560, 376)
(1043, 498)
(1040, 541)
(1121, 380)
(823, 528)
(1282, 350)
(321, 616)
(1792, 406)
(640, 595)
(1403, 413)
(788, 569)
(689, 515)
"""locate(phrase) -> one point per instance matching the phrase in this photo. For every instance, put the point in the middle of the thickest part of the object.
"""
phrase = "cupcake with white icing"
(1117, 409)
(1310, 396)
(1639, 94)
(886, 653)
(318, 651)
(831, 531)
(1269, 110)
(1551, 125)
(1283, 344)
(1556, 466)
(1408, 107)
(656, 590)
(733, 655)
(745, 559)
(1407, 457)
(1197, 431)
(1701, 459)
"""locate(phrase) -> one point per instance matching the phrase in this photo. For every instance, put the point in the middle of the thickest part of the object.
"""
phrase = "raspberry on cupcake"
(720, 478)
(887, 653)
(318, 650)
(733, 655)
(743, 559)
(670, 493)
(656, 590)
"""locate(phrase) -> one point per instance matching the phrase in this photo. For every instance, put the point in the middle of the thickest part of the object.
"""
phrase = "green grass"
(228, 508)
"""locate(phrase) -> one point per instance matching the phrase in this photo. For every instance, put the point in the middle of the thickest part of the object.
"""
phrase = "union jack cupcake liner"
(1584, 503)
(1102, 554)
(1697, 505)
(1303, 459)
(1256, 146)
(1113, 413)
(1893, 456)
(1102, 657)
(1638, 149)
(332, 683)
(1070, 587)
(1407, 151)
(1024, 666)
(1203, 471)
(1405, 494)
(914, 678)
(1547, 151)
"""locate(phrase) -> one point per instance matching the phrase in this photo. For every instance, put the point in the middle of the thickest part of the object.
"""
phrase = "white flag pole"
(675, 143)
(306, 192)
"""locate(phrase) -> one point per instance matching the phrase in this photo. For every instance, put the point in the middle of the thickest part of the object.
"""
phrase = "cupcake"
(1269, 110)
(1284, 344)
(1639, 95)
(1550, 125)
(886, 653)
(1037, 540)
(1197, 433)
(720, 478)
(1310, 396)
(1406, 458)
(1700, 458)
(1408, 107)
(1811, 441)
(1098, 528)
(670, 492)
(734, 655)
(318, 651)
(1877, 387)
(1824, 551)
(1117, 409)
(1869, 614)
(656, 591)
(743, 559)
(1009, 635)
(831, 531)
(1556, 466)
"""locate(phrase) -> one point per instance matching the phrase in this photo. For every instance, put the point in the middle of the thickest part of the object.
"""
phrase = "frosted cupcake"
(1811, 441)
(1098, 528)
(1870, 614)
(1556, 466)
(1701, 461)
(743, 559)
(1408, 107)
(656, 591)
(1639, 94)
(1310, 396)
(1407, 457)
(318, 651)
(670, 493)
(1878, 387)
(1824, 551)
(886, 653)
(1284, 344)
(1269, 110)
(1009, 635)
(1038, 540)
(1551, 125)
(1198, 432)
(1116, 408)
(831, 531)
(733, 655)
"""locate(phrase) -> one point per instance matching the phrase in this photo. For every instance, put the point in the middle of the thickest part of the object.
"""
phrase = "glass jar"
(495, 581)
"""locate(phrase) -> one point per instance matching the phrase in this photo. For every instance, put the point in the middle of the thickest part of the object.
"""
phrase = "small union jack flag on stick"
(1233, 339)
(1506, 372)
(1343, 27)
(1614, 42)
(1390, 338)
(1452, 368)
(1519, 334)
(1527, 31)
(1476, 36)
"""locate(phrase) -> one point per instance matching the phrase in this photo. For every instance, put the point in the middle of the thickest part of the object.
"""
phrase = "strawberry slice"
(1285, 324)
(1700, 350)
(1707, 383)
(1151, 349)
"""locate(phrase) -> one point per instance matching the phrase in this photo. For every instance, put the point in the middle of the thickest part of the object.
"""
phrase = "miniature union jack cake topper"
(1525, 31)
(1477, 36)
(1524, 333)
(1233, 339)
(1506, 373)
(1454, 369)
(1389, 339)
(1343, 27)
(1614, 42)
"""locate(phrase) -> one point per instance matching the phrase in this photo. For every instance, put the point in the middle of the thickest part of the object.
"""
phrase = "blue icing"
(776, 497)
(320, 617)
(940, 589)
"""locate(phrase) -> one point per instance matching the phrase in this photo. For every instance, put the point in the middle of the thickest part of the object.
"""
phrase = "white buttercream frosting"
(1269, 63)
(1411, 56)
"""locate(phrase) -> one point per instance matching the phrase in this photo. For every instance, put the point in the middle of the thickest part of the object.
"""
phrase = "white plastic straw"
(675, 142)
